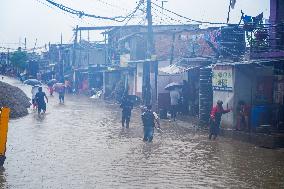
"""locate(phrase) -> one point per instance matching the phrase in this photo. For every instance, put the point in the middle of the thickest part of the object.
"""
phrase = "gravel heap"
(15, 99)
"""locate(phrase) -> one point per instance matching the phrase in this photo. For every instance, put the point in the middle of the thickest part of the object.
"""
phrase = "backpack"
(148, 119)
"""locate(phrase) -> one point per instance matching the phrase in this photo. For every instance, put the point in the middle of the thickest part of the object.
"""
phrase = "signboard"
(124, 59)
(222, 78)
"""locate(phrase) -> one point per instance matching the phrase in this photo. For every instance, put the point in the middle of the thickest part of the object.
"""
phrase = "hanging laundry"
(258, 19)
(251, 23)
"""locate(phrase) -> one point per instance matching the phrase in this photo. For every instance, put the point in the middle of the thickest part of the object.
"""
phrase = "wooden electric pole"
(150, 38)
(74, 59)
(150, 67)
(25, 43)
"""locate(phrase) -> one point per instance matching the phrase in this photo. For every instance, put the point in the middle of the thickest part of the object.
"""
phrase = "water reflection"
(2, 177)
(82, 145)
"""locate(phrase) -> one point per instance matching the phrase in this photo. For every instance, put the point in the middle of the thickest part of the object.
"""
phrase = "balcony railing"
(267, 41)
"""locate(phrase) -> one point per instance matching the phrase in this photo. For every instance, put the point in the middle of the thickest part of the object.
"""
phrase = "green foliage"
(19, 59)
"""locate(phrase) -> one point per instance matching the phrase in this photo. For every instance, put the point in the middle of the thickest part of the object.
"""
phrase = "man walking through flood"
(61, 93)
(185, 97)
(40, 100)
(175, 97)
(215, 119)
(149, 118)
(126, 106)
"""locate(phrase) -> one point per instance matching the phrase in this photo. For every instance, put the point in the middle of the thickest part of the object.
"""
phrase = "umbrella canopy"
(32, 82)
(58, 87)
(172, 86)
(51, 82)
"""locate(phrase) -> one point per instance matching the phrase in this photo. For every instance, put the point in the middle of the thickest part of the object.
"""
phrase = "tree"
(19, 59)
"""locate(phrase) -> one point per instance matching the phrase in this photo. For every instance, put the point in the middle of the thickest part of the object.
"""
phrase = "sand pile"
(15, 99)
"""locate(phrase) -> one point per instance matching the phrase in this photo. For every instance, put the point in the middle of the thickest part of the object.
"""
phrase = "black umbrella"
(32, 82)
(172, 86)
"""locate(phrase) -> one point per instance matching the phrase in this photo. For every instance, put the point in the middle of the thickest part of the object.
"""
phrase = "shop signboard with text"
(222, 78)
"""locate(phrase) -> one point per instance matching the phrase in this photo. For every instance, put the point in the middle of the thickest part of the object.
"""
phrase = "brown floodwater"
(81, 145)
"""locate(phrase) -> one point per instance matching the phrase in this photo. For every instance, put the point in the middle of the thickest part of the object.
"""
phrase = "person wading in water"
(215, 119)
(40, 100)
(126, 106)
(149, 118)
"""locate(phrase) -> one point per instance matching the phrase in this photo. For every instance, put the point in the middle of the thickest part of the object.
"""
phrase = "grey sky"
(33, 19)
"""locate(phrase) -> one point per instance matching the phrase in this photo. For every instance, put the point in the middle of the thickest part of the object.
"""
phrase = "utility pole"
(74, 58)
(150, 38)
(74, 46)
(35, 45)
(25, 43)
(8, 57)
(61, 59)
(150, 67)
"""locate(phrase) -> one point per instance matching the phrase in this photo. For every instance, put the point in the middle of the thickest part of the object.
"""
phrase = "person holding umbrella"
(60, 88)
(32, 82)
(50, 84)
(175, 97)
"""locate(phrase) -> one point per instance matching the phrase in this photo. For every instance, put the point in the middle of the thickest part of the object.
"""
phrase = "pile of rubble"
(15, 99)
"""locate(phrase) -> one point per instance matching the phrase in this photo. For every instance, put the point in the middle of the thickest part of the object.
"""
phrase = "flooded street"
(81, 145)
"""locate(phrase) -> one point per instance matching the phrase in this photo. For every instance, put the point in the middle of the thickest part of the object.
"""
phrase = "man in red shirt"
(215, 119)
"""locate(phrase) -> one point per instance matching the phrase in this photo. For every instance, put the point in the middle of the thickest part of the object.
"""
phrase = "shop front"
(254, 94)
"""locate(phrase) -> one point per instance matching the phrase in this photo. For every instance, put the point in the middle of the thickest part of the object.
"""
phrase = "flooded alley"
(81, 145)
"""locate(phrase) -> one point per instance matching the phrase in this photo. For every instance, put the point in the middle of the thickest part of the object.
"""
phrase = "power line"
(118, 7)
(169, 18)
(62, 12)
(81, 13)
(198, 21)
(192, 20)
(134, 12)
(160, 18)
(131, 16)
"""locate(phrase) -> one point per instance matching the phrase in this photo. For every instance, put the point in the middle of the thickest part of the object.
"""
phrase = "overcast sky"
(37, 19)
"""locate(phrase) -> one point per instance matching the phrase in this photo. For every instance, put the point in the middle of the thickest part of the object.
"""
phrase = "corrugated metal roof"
(176, 69)
(226, 63)
(186, 64)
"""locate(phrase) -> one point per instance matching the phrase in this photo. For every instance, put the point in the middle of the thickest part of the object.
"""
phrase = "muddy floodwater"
(81, 145)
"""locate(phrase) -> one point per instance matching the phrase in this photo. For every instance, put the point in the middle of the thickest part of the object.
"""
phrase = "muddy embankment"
(15, 99)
